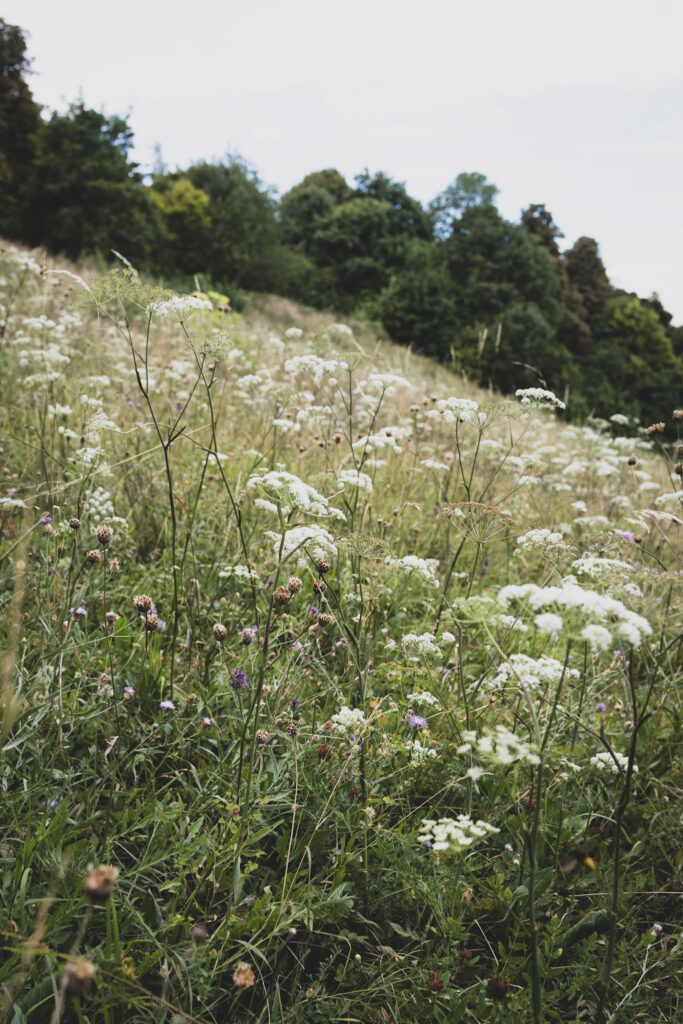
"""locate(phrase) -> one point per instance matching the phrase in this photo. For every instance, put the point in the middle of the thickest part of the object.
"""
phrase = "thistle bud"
(294, 584)
(93, 557)
(104, 534)
(632, 460)
(282, 596)
(143, 603)
(75, 523)
(220, 633)
(323, 566)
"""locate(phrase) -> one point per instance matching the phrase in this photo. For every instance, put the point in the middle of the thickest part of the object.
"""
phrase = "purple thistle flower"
(46, 520)
(313, 611)
(81, 610)
(167, 705)
(161, 625)
(129, 691)
(657, 930)
(417, 722)
(247, 635)
(239, 679)
(294, 703)
(297, 646)
(601, 707)
(627, 534)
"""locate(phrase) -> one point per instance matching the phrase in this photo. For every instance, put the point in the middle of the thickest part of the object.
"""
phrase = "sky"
(575, 105)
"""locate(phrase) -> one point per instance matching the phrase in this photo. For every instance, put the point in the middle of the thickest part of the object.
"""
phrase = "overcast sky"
(576, 105)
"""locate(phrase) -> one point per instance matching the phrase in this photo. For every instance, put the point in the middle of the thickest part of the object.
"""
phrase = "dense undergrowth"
(332, 688)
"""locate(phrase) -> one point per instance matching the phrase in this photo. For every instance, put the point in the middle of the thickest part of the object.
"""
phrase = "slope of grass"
(333, 688)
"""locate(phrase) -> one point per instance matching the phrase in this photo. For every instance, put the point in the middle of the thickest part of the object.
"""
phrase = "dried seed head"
(294, 585)
(244, 977)
(324, 752)
(497, 988)
(198, 933)
(435, 981)
(282, 596)
(247, 636)
(78, 974)
(292, 729)
(143, 603)
(262, 737)
(110, 619)
(319, 586)
(75, 523)
(337, 438)
(152, 622)
(678, 468)
(678, 414)
(114, 565)
(93, 557)
(324, 619)
(323, 566)
(104, 534)
(99, 883)
(655, 428)
(220, 633)
(632, 460)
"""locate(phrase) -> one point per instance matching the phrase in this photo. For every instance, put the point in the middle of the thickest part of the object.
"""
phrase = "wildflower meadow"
(334, 688)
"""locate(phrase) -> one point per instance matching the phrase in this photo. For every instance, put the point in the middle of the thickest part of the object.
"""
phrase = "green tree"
(244, 243)
(19, 123)
(633, 366)
(470, 189)
(417, 307)
(540, 224)
(184, 212)
(83, 193)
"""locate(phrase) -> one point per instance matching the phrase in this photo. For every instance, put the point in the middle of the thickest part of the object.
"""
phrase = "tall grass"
(332, 688)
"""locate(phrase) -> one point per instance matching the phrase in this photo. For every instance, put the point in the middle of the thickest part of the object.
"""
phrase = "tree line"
(499, 300)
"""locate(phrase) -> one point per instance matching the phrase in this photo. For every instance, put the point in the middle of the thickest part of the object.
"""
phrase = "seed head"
(632, 460)
(323, 566)
(78, 974)
(99, 883)
(435, 981)
(93, 557)
(262, 737)
(324, 619)
(292, 729)
(143, 603)
(110, 619)
(319, 586)
(104, 534)
(114, 565)
(324, 752)
(294, 584)
(75, 523)
(282, 596)
(655, 428)
(220, 633)
(497, 988)
(244, 977)
(247, 636)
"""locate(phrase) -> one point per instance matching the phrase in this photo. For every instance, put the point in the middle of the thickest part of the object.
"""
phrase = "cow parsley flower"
(605, 762)
(453, 835)
(424, 567)
(539, 397)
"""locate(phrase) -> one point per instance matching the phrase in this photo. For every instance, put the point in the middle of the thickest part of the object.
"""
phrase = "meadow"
(334, 688)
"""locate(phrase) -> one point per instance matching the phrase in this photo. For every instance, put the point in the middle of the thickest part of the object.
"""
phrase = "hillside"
(334, 687)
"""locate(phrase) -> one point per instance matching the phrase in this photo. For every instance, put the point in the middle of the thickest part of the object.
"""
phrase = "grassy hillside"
(333, 688)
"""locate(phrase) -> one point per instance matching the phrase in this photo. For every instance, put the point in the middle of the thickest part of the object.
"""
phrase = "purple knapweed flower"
(247, 635)
(294, 703)
(81, 610)
(601, 707)
(129, 691)
(297, 646)
(417, 722)
(627, 534)
(46, 520)
(239, 679)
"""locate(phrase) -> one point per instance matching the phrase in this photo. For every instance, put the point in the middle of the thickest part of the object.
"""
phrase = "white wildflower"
(453, 834)
(604, 761)
(540, 397)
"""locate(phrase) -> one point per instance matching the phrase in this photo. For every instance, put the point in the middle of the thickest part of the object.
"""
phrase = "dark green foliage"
(83, 194)
(19, 124)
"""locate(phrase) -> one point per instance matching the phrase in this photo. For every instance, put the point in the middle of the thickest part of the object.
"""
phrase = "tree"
(83, 193)
(470, 189)
(187, 224)
(417, 307)
(540, 224)
(243, 249)
(19, 124)
(587, 274)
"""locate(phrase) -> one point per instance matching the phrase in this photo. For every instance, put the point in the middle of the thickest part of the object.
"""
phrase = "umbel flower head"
(453, 834)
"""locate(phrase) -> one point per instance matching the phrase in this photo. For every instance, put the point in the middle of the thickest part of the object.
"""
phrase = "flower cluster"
(453, 834)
